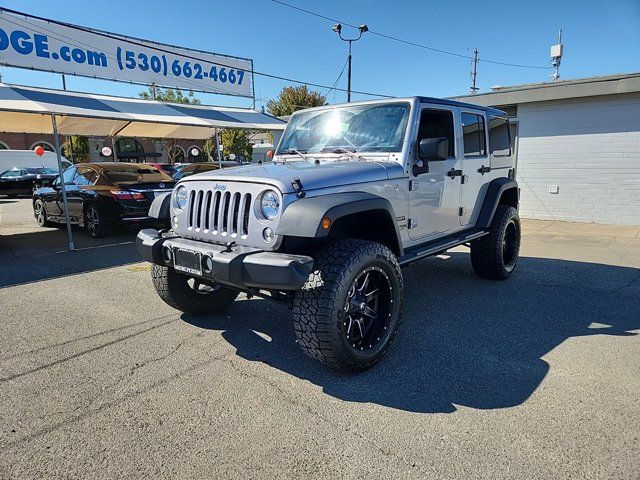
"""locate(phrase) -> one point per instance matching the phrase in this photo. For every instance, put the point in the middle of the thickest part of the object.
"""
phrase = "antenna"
(474, 73)
(556, 57)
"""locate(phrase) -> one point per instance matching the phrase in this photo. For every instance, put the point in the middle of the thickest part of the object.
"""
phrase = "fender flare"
(303, 218)
(160, 207)
(492, 199)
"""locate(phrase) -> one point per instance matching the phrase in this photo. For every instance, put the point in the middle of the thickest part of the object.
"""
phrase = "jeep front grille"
(219, 213)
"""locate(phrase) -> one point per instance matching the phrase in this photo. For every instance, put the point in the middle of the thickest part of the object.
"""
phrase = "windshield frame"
(404, 144)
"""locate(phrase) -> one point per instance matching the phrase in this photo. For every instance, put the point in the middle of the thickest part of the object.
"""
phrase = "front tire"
(40, 214)
(495, 256)
(190, 295)
(347, 313)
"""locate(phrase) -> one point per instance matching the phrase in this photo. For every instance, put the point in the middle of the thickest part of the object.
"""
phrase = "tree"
(169, 95)
(236, 140)
(295, 98)
(79, 148)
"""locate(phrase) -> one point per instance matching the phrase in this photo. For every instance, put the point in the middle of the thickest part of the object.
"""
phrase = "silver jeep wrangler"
(354, 193)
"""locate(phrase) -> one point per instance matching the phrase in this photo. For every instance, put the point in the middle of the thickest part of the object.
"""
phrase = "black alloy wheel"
(367, 309)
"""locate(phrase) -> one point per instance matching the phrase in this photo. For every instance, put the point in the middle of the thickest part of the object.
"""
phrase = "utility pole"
(153, 90)
(474, 73)
(338, 29)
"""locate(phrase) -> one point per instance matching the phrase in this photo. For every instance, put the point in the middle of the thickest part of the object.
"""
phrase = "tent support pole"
(56, 141)
(218, 148)
(113, 145)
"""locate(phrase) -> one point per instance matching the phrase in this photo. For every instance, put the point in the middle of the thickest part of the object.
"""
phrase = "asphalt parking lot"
(536, 377)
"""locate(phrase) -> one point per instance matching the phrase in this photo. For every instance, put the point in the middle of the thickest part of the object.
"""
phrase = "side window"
(10, 174)
(499, 141)
(473, 130)
(436, 124)
(68, 175)
(85, 176)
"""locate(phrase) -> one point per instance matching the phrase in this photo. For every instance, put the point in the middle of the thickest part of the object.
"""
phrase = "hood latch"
(298, 188)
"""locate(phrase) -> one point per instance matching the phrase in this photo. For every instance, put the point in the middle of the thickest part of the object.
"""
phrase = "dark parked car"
(102, 195)
(187, 169)
(23, 181)
(168, 168)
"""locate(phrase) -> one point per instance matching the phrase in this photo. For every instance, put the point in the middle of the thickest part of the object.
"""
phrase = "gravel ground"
(536, 377)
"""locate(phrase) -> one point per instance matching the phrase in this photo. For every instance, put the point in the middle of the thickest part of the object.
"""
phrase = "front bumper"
(241, 267)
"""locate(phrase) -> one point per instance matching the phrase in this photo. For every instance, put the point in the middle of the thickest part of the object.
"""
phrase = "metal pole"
(474, 73)
(218, 148)
(349, 75)
(64, 87)
(56, 140)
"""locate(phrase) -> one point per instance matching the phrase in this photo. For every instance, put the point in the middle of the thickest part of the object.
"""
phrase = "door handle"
(453, 173)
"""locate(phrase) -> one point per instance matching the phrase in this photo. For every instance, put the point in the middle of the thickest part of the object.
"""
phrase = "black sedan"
(24, 180)
(102, 195)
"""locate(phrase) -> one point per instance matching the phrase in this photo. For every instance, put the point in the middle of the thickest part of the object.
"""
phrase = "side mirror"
(434, 148)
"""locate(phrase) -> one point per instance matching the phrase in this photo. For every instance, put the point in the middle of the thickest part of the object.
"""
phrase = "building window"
(130, 150)
(473, 130)
(46, 145)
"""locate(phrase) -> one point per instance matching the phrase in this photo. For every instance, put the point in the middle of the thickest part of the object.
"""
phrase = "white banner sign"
(38, 44)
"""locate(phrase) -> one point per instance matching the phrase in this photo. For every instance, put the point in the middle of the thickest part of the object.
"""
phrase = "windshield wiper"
(352, 153)
(293, 151)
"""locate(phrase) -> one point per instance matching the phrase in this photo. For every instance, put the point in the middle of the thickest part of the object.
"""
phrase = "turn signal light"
(326, 223)
(125, 195)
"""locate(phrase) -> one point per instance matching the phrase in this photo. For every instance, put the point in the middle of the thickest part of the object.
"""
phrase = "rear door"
(475, 159)
(434, 196)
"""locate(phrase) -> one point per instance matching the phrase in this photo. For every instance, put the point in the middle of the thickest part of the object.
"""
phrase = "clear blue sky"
(600, 38)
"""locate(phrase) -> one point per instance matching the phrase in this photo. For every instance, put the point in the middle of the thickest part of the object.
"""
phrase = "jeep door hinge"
(413, 185)
(461, 211)
(412, 223)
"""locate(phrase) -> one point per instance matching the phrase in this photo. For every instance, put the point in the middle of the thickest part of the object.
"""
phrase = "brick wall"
(590, 149)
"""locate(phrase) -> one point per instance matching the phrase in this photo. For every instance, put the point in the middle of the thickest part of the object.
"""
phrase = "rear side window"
(473, 130)
(499, 142)
(85, 176)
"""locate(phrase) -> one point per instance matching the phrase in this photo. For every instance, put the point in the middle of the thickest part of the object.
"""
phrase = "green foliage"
(169, 95)
(79, 148)
(236, 140)
(292, 99)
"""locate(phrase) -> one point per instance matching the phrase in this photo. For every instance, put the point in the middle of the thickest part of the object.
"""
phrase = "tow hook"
(228, 247)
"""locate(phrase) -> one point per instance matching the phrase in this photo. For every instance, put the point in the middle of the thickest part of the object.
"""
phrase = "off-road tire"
(318, 308)
(40, 215)
(104, 224)
(495, 256)
(174, 290)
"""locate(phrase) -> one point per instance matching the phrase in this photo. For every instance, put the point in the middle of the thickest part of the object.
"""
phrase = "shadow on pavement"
(464, 341)
(42, 254)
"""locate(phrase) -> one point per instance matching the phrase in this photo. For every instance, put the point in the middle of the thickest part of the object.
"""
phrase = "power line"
(407, 42)
(160, 49)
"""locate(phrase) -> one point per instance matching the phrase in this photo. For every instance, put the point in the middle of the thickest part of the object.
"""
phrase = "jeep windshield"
(348, 128)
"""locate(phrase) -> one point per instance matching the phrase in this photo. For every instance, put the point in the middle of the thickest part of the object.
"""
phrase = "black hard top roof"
(454, 103)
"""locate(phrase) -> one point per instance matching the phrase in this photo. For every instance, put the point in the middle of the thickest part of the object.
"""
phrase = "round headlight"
(181, 197)
(270, 204)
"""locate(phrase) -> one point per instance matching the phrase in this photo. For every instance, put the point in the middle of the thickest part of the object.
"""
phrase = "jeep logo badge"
(220, 187)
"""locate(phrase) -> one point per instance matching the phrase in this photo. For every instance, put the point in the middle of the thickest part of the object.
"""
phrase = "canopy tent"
(101, 115)
(58, 112)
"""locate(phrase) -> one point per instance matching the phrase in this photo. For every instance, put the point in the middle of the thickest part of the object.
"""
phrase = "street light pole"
(338, 29)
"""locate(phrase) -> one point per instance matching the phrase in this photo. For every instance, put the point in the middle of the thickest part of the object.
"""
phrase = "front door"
(435, 195)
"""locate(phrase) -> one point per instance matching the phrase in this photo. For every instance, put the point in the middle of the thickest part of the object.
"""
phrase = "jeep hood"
(325, 174)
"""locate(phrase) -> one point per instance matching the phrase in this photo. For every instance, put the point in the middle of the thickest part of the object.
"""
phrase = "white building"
(577, 145)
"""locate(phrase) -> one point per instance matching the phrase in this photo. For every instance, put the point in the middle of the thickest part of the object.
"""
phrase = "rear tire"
(495, 256)
(96, 222)
(185, 294)
(347, 313)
